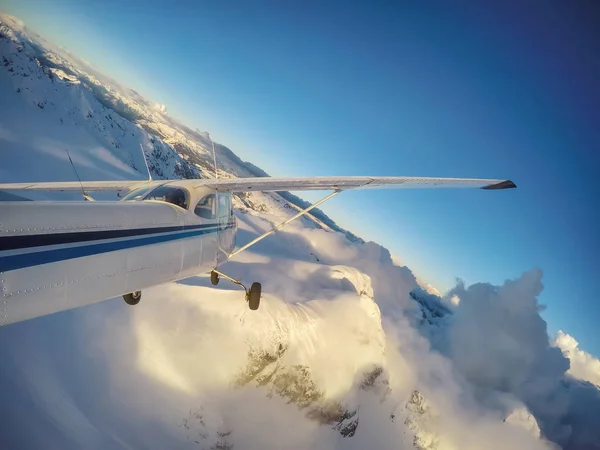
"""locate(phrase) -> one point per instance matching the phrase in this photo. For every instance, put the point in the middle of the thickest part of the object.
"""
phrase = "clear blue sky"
(511, 90)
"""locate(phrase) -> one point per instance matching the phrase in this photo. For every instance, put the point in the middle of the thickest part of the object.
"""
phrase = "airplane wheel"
(254, 296)
(214, 278)
(133, 298)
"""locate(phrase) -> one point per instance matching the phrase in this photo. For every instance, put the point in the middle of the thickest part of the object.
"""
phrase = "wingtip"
(506, 184)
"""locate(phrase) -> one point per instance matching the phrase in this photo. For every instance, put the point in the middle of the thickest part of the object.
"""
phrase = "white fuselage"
(61, 255)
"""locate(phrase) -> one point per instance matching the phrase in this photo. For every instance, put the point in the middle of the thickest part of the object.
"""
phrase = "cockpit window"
(207, 207)
(224, 206)
(136, 194)
(174, 195)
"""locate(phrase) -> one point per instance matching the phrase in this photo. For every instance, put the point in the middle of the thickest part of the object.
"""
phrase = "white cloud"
(161, 108)
(455, 300)
(497, 338)
(522, 418)
(176, 357)
(583, 365)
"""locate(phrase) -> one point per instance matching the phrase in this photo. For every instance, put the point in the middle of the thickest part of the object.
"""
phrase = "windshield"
(174, 195)
(136, 194)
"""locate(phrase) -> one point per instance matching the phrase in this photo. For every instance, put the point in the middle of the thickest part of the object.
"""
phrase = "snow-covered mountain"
(348, 351)
(108, 119)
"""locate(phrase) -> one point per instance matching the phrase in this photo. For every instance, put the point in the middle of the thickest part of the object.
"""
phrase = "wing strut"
(83, 193)
(283, 224)
(146, 162)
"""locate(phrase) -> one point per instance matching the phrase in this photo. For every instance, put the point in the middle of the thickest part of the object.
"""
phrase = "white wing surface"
(265, 184)
(347, 183)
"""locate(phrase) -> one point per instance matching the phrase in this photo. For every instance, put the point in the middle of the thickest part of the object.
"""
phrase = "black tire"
(214, 278)
(254, 296)
(133, 298)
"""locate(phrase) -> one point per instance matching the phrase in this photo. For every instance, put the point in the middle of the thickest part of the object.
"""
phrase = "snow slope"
(346, 352)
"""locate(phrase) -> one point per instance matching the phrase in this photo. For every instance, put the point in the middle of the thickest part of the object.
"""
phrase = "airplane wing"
(347, 183)
(265, 184)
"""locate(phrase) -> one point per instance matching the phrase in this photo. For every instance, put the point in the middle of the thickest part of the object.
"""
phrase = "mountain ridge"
(175, 144)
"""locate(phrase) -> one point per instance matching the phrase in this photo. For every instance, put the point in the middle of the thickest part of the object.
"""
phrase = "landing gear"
(252, 296)
(133, 298)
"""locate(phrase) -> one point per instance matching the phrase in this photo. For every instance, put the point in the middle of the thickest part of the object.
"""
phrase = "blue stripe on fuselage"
(14, 262)
(42, 240)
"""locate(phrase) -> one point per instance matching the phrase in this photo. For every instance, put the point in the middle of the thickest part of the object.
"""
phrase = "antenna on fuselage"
(85, 195)
(214, 156)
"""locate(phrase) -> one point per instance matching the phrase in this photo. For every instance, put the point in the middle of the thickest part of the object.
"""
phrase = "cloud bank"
(498, 341)
(340, 356)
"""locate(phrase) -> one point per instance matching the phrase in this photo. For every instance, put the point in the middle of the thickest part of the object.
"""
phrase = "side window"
(206, 208)
(224, 206)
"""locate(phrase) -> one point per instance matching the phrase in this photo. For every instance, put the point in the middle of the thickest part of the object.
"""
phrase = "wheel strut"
(252, 295)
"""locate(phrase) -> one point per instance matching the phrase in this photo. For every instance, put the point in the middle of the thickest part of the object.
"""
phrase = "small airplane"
(57, 255)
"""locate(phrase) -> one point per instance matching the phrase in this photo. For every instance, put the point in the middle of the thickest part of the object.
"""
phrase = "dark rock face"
(295, 384)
